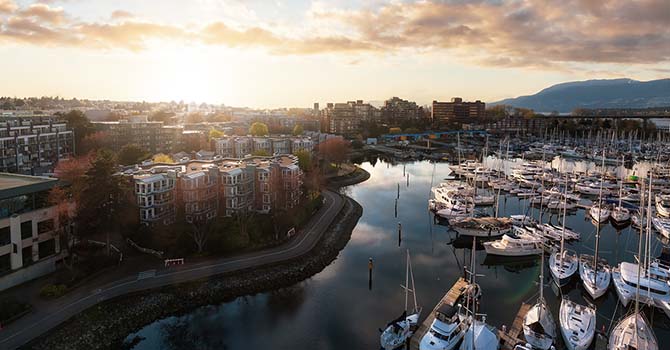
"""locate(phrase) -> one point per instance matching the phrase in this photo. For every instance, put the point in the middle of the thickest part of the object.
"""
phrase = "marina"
(439, 254)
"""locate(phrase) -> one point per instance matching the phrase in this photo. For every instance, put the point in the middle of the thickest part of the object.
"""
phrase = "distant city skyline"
(262, 54)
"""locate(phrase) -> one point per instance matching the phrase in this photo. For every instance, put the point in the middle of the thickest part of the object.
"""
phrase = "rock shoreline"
(106, 325)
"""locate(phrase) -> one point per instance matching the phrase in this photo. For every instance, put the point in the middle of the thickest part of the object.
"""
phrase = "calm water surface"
(335, 309)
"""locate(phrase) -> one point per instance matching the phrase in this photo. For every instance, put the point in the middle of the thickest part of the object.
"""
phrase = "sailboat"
(479, 336)
(578, 324)
(398, 331)
(633, 331)
(620, 215)
(600, 213)
(563, 264)
(539, 327)
(595, 273)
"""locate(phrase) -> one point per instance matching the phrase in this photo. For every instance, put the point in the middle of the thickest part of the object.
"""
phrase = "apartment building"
(243, 146)
(457, 111)
(396, 110)
(33, 147)
(29, 240)
(201, 190)
(346, 118)
(154, 137)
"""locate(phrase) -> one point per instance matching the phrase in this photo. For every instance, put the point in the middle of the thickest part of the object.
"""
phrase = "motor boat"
(655, 290)
(446, 330)
(578, 324)
(514, 245)
(480, 336)
(482, 227)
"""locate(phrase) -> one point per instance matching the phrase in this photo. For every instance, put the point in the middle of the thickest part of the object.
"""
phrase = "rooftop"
(13, 185)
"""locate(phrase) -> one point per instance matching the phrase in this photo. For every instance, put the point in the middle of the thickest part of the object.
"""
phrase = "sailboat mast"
(600, 208)
(565, 211)
(639, 254)
(411, 274)
(407, 280)
(623, 171)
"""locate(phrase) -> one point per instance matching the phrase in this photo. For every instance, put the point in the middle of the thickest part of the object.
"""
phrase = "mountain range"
(602, 93)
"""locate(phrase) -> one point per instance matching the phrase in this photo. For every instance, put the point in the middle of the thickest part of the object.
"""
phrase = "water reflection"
(337, 309)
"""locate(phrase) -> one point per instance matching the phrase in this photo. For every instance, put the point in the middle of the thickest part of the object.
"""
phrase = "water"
(335, 309)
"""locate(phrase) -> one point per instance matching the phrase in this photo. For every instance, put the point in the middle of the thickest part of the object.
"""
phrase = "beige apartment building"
(201, 190)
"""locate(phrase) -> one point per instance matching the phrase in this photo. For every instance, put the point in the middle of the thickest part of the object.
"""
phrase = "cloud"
(44, 13)
(121, 14)
(522, 33)
(7, 6)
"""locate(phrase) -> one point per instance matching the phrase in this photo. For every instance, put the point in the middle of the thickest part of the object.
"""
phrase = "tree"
(215, 134)
(93, 142)
(60, 200)
(131, 154)
(304, 159)
(162, 158)
(194, 118)
(335, 150)
(200, 233)
(77, 121)
(161, 116)
(412, 130)
(258, 129)
(297, 130)
(261, 153)
(102, 195)
(395, 131)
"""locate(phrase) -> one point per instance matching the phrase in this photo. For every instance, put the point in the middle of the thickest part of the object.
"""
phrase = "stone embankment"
(106, 325)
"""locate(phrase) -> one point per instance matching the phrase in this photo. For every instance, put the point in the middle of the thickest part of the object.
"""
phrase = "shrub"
(53, 290)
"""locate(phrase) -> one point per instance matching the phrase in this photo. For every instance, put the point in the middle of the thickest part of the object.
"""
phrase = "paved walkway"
(51, 314)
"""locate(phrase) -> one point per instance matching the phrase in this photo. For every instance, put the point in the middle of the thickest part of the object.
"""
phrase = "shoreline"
(106, 325)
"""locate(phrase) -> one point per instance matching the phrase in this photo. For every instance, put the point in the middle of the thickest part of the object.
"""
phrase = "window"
(26, 229)
(5, 263)
(47, 248)
(5, 236)
(45, 226)
(27, 255)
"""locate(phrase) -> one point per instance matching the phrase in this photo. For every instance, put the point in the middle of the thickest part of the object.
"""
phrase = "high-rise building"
(316, 106)
(152, 137)
(346, 118)
(457, 111)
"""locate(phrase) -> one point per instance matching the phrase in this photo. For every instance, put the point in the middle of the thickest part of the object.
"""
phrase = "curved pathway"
(52, 314)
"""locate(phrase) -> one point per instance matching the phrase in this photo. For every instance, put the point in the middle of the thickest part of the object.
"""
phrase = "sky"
(283, 53)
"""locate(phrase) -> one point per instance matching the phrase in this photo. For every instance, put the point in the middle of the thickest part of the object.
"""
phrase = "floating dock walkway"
(450, 299)
(510, 338)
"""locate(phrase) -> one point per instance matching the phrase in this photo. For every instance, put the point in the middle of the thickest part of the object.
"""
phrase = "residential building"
(396, 110)
(243, 146)
(201, 190)
(150, 136)
(346, 118)
(29, 238)
(457, 111)
(31, 146)
(520, 124)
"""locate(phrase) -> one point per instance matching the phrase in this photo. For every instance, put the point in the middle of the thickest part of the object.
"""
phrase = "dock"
(452, 296)
(510, 338)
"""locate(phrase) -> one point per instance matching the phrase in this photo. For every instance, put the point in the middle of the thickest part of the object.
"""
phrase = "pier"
(450, 299)
(510, 338)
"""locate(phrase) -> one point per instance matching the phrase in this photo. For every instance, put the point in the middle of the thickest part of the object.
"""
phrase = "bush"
(53, 290)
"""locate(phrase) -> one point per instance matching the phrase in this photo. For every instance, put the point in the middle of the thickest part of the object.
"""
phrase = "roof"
(13, 185)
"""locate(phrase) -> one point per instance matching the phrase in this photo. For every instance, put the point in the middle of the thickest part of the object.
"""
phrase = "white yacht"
(563, 265)
(480, 336)
(446, 331)
(620, 215)
(595, 277)
(654, 291)
(400, 330)
(663, 205)
(633, 332)
(514, 245)
(599, 214)
(662, 225)
(539, 327)
(578, 325)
